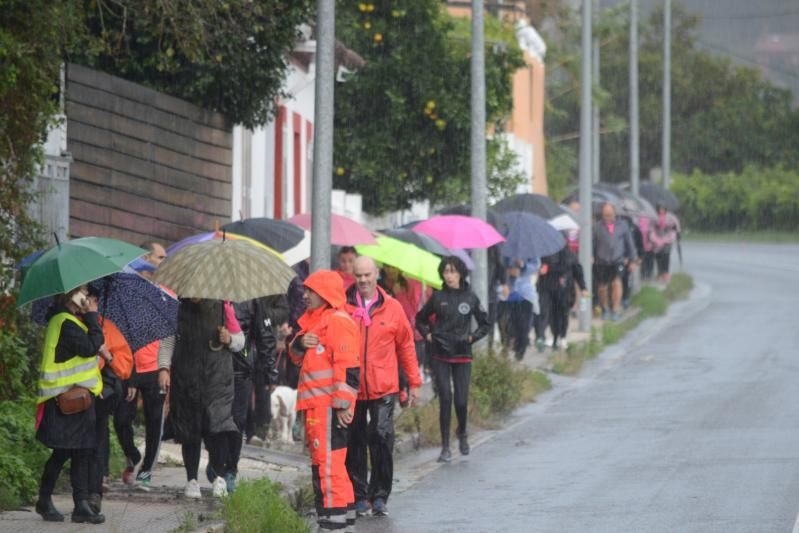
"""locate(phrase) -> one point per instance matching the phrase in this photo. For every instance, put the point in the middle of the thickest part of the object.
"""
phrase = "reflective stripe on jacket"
(56, 378)
(330, 372)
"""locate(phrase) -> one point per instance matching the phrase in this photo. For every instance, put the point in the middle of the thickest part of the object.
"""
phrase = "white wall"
(261, 200)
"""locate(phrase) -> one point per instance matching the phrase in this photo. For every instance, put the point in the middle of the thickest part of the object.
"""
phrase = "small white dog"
(284, 401)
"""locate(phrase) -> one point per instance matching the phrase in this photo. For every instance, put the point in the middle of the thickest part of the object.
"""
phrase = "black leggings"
(78, 472)
(460, 375)
(663, 259)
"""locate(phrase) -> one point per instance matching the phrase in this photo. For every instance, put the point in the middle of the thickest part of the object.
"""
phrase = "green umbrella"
(70, 264)
(225, 270)
(414, 262)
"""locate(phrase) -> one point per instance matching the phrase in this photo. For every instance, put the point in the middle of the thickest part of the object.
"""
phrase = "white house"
(272, 164)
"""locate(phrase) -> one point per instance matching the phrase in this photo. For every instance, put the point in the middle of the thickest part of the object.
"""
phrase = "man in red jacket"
(386, 345)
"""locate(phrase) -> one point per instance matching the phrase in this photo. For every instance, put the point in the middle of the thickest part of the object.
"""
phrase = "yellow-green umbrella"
(412, 261)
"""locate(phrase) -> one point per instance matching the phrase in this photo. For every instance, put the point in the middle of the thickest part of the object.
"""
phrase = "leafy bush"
(21, 455)
(258, 506)
(756, 199)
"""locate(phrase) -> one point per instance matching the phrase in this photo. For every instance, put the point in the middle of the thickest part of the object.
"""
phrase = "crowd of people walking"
(344, 347)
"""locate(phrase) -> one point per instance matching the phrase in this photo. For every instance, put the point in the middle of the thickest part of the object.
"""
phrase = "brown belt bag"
(75, 400)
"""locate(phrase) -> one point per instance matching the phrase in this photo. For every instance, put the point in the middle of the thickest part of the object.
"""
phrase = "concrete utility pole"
(323, 129)
(586, 244)
(635, 138)
(594, 106)
(666, 165)
(479, 277)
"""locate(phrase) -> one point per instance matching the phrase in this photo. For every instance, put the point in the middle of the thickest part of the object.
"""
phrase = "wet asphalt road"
(695, 429)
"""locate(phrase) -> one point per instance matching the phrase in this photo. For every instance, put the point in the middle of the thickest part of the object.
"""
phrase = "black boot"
(84, 514)
(45, 507)
(463, 444)
(446, 455)
(95, 502)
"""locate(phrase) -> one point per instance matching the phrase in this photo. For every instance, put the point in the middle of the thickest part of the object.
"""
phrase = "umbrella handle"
(215, 347)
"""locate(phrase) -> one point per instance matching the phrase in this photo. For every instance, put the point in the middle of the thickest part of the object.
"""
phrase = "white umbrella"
(564, 222)
(300, 252)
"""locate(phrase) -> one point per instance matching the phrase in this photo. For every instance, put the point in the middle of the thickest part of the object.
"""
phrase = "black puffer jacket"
(260, 347)
(453, 309)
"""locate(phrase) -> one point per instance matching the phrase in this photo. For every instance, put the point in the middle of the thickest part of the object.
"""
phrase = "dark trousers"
(560, 310)
(259, 413)
(663, 260)
(242, 401)
(218, 446)
(78, 472)
(546, 302)
(421, 354)
(98, 466)
(451, 376)
(376, 437)
(521, 320)
(124, 414)
(647, 265)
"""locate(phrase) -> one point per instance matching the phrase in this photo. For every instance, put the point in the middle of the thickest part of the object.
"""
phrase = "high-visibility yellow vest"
(55, 378)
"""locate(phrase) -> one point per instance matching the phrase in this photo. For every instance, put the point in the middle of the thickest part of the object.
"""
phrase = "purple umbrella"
(141, 310)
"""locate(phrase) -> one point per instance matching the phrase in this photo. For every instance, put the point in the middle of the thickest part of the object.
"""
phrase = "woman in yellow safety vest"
(72, 343)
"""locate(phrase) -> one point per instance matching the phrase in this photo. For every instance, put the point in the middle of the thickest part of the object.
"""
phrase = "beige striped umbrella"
(224, 270)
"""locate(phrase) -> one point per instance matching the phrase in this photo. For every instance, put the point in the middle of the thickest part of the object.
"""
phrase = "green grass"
(770, 236)
(187, 523)
(679, 287)
(571, 361)
(259, 506)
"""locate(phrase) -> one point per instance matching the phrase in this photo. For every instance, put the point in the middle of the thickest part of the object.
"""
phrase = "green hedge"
(756, 199)
(22, 457)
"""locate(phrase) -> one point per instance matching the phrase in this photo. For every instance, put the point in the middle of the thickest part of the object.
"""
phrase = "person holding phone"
(73, 339)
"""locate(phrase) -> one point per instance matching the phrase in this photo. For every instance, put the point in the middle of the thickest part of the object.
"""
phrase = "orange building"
(524, 129)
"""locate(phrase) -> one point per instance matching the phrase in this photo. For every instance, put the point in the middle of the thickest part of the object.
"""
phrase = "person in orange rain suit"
(326, 348)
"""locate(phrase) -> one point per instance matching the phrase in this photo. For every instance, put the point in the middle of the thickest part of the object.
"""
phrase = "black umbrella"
(534, 204)
(420, 240)
(466, 210)
(658, 195)
(529, 236)
(632, 204)
(276, 234)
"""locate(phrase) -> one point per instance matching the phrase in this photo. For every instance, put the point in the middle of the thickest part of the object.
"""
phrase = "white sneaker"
(192, 490)
(220, 487)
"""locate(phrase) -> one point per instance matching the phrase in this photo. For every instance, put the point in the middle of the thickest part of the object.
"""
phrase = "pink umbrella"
(343, 231)
(457, 231)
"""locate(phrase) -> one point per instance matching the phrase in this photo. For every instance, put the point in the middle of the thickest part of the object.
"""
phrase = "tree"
(34, 34)
(724, 116)
(403, 120)
(230, 56)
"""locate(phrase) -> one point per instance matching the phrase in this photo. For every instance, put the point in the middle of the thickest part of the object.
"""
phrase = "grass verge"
(499, 385)
(259, 506)
(647, 303)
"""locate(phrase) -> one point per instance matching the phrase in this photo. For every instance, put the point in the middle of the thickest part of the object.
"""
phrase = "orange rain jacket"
(122, 357)
(386, 344)
(330, 372)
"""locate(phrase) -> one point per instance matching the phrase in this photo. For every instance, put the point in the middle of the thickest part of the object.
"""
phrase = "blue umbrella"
(528, 237)
(141, 310)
